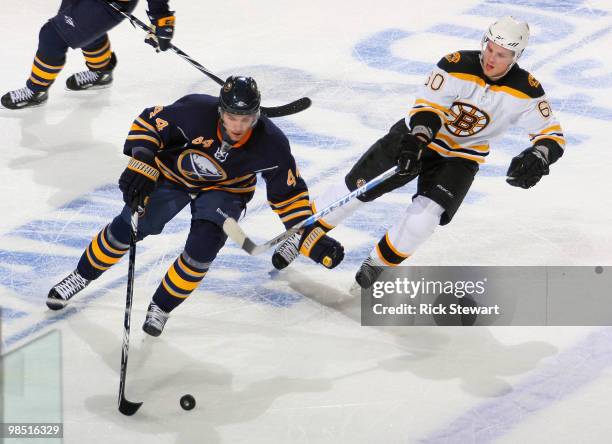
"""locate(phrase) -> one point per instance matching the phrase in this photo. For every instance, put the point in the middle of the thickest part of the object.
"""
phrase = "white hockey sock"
(403, 238)
(331, 195)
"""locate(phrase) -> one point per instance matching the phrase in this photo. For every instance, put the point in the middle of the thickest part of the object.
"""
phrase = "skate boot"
(93, 79)
(23, 98)
(286, 252)
(62, 292)
(155, 320)
(368, 273)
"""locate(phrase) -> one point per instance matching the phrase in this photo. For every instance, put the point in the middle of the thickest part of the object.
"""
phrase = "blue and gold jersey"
(186, 138)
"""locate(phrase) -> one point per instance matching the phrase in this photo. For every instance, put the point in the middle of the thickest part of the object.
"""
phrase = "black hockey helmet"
(239, 95)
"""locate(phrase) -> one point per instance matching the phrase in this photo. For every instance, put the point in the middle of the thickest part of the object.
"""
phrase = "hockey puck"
(188, 402)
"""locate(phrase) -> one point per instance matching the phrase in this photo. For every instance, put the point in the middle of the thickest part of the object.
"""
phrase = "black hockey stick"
(273, 111)
(127, 407)
(235, 232)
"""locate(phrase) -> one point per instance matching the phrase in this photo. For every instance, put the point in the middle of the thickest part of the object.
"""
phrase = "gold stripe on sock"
(96, 51)
(38, 82)
(44, 65)
(44, 74)
(103, 58)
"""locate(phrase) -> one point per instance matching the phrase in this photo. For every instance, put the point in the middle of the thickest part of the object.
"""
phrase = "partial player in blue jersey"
(205, 152)
(84, 24)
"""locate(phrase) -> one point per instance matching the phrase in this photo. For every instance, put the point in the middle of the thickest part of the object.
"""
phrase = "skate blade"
(2, 107)
(92, 88)
(56, 304)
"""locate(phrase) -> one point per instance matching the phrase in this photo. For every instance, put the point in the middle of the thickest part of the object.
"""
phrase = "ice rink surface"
(281, 357)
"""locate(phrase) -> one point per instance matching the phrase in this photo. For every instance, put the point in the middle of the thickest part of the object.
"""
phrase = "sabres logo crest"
(197, 166)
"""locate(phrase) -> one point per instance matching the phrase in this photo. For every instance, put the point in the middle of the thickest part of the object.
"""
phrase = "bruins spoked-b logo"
(533, 81)
(466, 120)
(197, 166)
(453, 57)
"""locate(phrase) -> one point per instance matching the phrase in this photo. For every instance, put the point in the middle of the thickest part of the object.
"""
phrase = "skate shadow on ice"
(159, 373)
(67, 152)
(470, 354)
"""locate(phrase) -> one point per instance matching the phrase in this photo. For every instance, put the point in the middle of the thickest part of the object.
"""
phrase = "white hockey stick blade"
(235, 233)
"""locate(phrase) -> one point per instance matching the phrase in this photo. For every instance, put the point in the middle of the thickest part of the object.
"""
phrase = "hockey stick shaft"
(127, 407)
(137, 22)
(276, 111)
(235, 232)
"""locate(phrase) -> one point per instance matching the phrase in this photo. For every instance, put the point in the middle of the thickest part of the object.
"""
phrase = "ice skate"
(155, 320)
(23, 98)
(368, 273)
(63, 291)
(286, 252)
(92, 79)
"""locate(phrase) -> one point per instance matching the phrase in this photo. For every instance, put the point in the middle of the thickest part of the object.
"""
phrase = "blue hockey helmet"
(239, 95)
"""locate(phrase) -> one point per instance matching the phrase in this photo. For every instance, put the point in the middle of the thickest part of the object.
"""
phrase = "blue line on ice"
(558, 378)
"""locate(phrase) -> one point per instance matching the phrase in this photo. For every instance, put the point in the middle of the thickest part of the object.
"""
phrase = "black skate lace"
(84, 77)
(21, 94)
(289, 249)
(71, 285)
(370, 262)
(371, 269)
(156, 317)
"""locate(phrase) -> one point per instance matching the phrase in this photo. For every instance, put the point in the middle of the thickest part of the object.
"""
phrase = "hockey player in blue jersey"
(203, 151)
(84, 24)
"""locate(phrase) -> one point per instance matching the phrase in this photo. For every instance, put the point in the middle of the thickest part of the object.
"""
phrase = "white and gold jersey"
(474, 109)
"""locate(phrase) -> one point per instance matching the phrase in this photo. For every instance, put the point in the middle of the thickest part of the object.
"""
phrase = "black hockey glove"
(137, 182)
(321, 248)
(162, 30)
(411, 149)
(527, 168)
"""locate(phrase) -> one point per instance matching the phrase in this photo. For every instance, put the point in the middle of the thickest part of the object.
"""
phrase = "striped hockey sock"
(103, 252)
(183, 276)
(98, 55)
(44, 72)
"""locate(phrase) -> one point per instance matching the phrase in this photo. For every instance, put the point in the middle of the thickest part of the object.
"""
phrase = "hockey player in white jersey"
(469, 98)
